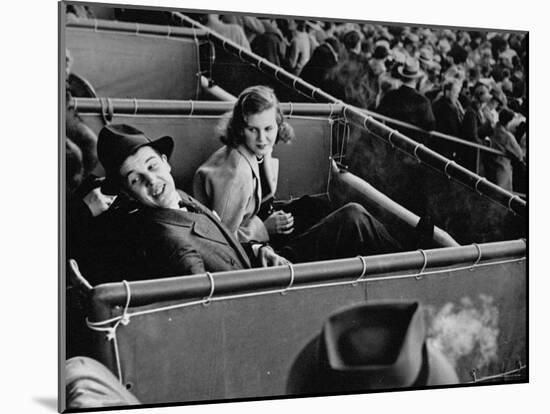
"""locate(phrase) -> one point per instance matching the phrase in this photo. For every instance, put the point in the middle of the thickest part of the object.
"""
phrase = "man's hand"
(279, 223)
(267, 257)
(98, 202)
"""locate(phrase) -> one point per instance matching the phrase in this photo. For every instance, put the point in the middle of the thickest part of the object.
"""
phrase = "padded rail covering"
(197, 137)
(254, 346)
(124, 64)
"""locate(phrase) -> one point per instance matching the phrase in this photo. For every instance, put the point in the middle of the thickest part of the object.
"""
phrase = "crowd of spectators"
(455, 82)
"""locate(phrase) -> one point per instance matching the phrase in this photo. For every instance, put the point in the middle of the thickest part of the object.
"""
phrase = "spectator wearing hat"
(499, 168)
(405, 103)
(372, 346)
(175, 233)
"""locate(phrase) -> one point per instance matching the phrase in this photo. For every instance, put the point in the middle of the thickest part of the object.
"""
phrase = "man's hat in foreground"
(379, 345)
(116, 143)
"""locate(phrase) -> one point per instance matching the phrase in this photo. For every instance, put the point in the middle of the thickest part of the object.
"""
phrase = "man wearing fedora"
(377, 345)
(405, 103)
(176, 234)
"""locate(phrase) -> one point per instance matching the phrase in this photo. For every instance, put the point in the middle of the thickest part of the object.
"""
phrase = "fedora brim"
(164, 145)
(327, 365)
(407, 75)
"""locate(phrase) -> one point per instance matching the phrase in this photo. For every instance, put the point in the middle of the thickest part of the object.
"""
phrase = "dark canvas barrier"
(468, 216)
(197, 138)
(129, 65)
(255, 345)
(235, 349)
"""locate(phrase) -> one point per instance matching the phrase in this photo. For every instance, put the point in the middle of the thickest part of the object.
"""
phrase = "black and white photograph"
(257, 207)
(266, 206)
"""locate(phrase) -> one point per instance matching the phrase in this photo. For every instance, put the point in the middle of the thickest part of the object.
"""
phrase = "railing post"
(478, 153)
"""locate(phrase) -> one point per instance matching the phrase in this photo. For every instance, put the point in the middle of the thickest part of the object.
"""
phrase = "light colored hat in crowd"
(444, 45)
(315, 25)
(410, 69)
(425, 33)
(383, 31)
(411, 38)
(426, 58)
(382, 42)
(448, 34)
(398, 55)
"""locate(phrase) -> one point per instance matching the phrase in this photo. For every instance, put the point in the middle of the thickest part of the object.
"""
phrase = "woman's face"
(260, 132)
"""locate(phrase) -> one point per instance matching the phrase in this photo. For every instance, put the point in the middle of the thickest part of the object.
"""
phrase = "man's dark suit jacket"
(448, 121)
(178, 242)
(407, 105)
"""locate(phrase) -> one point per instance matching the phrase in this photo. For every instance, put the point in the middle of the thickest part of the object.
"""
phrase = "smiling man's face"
(146, 177)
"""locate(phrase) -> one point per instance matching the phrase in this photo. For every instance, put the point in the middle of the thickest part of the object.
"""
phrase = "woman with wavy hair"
(239, 182)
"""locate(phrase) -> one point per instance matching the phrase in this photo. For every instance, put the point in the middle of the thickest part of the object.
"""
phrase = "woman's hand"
(98, 202)
(279, 223)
